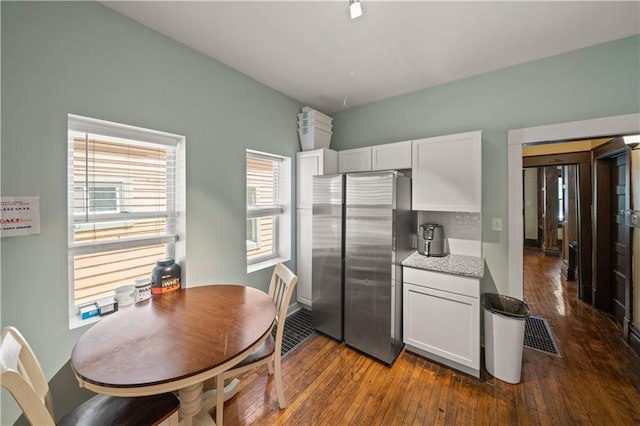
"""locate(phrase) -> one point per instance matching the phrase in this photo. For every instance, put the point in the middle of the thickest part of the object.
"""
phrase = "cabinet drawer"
(445, 282)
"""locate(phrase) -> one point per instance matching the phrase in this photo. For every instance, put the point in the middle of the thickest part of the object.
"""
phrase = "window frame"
(281, 213)
(118, 189)
(174, 238)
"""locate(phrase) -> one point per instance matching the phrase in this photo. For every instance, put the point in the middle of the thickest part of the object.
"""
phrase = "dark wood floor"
(597, 380)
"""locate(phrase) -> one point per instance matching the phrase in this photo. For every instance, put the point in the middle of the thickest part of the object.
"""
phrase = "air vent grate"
(538, 336)
(297, 329)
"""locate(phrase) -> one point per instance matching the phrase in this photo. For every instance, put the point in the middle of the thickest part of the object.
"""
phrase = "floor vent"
(297, 329)
(538, 336)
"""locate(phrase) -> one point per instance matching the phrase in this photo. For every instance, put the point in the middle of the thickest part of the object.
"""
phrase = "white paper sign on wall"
(19, 216)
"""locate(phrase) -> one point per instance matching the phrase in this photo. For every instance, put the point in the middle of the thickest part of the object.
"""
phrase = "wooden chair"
(22, 376)
(283, 281)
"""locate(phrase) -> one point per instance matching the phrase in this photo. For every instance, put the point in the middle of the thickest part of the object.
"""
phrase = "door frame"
(583, 161)
(553, 133)
(602, 238)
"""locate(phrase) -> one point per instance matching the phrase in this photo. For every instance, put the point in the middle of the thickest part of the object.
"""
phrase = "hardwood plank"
(597, 380)
(415, 386)
(367, 410)
(336, 379)
(445, 383)
(344, 394)
(506, 403)
(455, 401)
(427, 384)
(392, 402)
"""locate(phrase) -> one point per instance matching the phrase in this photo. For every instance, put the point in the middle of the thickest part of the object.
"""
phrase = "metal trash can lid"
(505, 305)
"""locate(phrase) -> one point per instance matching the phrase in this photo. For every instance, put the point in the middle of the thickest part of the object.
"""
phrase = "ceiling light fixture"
(355, 8)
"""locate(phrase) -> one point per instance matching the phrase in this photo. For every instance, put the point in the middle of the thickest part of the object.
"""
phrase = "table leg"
(209, 397)
(192, 411)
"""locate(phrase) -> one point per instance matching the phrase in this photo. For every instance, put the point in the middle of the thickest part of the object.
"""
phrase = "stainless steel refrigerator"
(358, 296)
(327, 264)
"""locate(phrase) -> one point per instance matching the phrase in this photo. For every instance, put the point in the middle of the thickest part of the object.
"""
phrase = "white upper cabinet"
(354, 160)
(391, 156)
(446, 173)
(309, 164)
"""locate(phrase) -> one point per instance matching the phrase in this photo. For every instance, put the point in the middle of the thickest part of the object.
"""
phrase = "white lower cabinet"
(441, 316)
(304, 251)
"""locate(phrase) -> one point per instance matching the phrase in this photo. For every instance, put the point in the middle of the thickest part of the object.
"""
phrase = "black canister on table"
(165, 277)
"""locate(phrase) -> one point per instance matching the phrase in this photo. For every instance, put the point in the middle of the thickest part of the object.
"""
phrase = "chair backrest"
(22, 376)
(283, 281)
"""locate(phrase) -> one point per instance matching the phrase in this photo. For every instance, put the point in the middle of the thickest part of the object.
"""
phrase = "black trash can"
(504, 324)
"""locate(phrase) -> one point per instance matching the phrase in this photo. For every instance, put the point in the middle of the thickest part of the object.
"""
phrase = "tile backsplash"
(459, 225)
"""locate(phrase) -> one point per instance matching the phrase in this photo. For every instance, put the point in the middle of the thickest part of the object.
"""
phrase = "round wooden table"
(173, 342)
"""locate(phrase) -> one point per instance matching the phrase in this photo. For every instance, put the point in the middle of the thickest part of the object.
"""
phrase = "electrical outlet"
(496, 224)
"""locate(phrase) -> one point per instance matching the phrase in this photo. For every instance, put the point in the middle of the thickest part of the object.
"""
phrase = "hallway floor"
(596, 382)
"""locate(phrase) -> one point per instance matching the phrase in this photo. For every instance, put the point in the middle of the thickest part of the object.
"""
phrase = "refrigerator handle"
(394, 235)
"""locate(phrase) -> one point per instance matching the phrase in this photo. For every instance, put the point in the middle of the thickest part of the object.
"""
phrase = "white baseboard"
(295, 307)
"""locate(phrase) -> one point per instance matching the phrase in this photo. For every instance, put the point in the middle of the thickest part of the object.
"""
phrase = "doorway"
(564, 222)
(612, 260)
(592, 128)
(550, 214)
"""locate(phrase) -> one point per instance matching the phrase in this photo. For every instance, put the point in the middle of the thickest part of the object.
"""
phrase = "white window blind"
(264, 205)
(122, 206)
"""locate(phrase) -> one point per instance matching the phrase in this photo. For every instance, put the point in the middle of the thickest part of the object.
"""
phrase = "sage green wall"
(597, 81)
(84, 58)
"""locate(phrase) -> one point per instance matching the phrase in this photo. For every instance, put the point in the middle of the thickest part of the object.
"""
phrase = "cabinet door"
(442, 323)
(309, 164)
(391, 156)
(446, 173)
(304, 253)
(354, 160)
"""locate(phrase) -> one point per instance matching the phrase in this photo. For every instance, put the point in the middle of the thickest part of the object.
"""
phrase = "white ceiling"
(313, 52)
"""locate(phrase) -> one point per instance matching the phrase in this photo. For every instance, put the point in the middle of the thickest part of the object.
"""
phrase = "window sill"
(265, 264)
(77, 322)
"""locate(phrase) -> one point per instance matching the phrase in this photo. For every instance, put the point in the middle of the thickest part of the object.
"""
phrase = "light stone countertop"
(469, 266)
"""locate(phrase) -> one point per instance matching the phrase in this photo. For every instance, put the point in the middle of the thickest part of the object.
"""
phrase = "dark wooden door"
(620, 250)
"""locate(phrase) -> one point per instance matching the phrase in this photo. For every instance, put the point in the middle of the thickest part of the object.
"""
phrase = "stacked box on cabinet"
(314, 129)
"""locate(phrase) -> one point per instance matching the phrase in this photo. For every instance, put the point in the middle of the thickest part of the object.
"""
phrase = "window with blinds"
(264, 205)
(122, 205)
